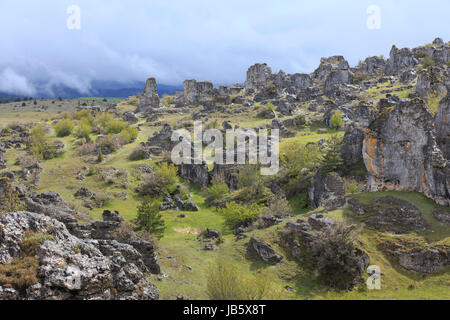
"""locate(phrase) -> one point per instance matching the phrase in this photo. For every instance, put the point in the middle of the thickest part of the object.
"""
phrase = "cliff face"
(401, 152)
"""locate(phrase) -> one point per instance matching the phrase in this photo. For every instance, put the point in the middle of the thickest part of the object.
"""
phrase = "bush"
(225, 282)
(26, 161)
(87, 149)
(116, 126)
(352, 188)
(38, 141)
(149, 217)
(154, 185)
(428, 62)
(83, 130)
(236, 214)
(21, 273)
(9, 201)
(217, 191)
(137, 154)
(169, 173)
(64, 128)
(108, 144)
(335, 257)
(336, 120)
(84, 115)
(128, 135)
(278, 207)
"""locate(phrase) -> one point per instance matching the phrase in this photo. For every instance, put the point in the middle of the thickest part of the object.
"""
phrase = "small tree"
(332, 158)
(100, 156)
(38, 141)
(149, 218)
(336, 121)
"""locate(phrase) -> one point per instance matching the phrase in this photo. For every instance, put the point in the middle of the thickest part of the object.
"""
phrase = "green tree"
(332, 158)
(149, 218)
(38, 141)
(336, 121)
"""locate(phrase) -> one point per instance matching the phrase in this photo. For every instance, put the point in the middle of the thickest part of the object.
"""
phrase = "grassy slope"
(185, 266)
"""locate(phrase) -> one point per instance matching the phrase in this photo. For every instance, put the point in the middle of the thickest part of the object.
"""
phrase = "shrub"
(138, 154)
(87, 149)
(103, 120)
(64, 128)
(84, 115)
(108, 144)
(149, 217)
(335, 257)
(250, 177)
(26, 161)
(169, 173)
(21, 273)
(100, 156)
(116, 126)
(352, 188)
(38, 141)
(336, 120)
(235, 214)
(217, 191)
(278, 207)
(153, 184)
(83, 130)
(432, 102)
(428, 62)
(128, 135)
(9, 201)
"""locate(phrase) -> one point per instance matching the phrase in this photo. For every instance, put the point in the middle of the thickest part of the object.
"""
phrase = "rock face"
(390, 214)
(327, 191)
(71, 268)
(400, 60)
(442, 215)
(400, 152)
(258, 76)
(328, 65)
(352, 146)
(442, 126)
(413, 254)
(149, 98)
(196, 173)
(373, 66)
(197, 92)
(264, 251)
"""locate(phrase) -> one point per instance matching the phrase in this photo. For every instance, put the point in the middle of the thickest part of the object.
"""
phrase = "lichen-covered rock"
(351, 152)
(442, 126)
(149, 98)
(400, 60)
(264, 251)
(390, 214)
(196, 173)
(327, 191)
(327, 65)
(258, 76)
(70, 268)
(417, 255)
(442, 215)
(197, 92)
(400, 152)
(373, 66)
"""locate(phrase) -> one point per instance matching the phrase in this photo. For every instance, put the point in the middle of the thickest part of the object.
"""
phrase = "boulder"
(327, 191)
(258, 76)
(264, 251)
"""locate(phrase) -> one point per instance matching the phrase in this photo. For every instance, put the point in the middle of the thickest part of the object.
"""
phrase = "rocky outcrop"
(328, 65)
(442, 215)
(416, 255)
(69, 268)
(431, 81)
(196, 173)
(263, 250)
(442, 126)
(389, 214)
(401, 153)
(372, 66)
(149, 98)
(197, 92)
(400, 60)
(258, 76)
(327, 191)
(161, 140)
(352, 145)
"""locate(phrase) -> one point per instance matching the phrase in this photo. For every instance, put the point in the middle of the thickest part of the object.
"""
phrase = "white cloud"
(13, 83)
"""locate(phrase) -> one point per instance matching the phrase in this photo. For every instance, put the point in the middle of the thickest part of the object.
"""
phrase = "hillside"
(364, 180)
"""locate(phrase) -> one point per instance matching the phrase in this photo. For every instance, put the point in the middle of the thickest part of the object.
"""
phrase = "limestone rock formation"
(68, 267)
(264, 251)
(197, 92)
(149, 98)
(258, 76)
(401, 153)
(400, 60)
(327, 190)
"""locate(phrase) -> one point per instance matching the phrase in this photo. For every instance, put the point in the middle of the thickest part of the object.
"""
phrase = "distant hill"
(106, 89)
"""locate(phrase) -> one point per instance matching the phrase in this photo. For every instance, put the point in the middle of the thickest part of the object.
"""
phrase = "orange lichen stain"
(371, 144)
(424, 177)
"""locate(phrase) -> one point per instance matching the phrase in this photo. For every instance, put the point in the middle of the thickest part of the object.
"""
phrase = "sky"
(216, 40)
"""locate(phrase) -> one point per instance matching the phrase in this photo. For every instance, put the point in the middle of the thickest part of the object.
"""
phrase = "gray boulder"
(327, 191)
(264, 251)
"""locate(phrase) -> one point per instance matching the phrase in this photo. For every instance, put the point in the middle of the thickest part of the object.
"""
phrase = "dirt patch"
(188, 230)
